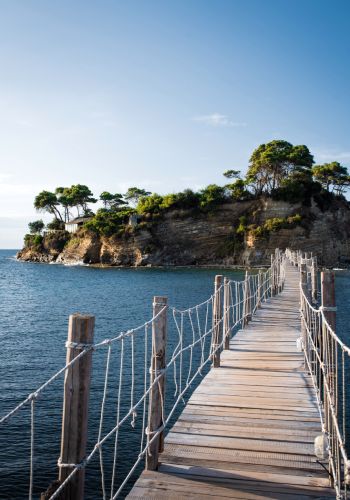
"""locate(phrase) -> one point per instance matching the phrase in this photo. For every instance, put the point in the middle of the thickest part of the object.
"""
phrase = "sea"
(35, 303)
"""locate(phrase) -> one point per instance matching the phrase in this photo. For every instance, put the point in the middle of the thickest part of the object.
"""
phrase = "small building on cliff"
(73, 225)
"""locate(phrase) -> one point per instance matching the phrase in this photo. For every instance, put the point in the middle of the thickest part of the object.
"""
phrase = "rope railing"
(177, 346)
(327, 359)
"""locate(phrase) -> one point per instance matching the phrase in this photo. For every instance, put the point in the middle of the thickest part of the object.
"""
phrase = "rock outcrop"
(184, 237)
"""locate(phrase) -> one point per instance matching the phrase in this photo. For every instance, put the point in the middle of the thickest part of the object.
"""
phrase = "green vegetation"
(274, 224)
(33, 240)
(112, 201)
(36, 227)
(273, 163)
(55, 225)
(277, 169)
(109, 222)
(332, 176)
(134, 194)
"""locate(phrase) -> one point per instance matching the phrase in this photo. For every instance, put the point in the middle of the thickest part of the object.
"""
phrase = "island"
(285, 200)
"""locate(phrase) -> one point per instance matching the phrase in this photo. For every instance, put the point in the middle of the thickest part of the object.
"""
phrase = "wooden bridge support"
(216, 338)
(226, 323)
(328, 297)
(273, 290)
(303, 282)
(157, 393)
(246, 316)
(314, 287)
(75, 405)
(259, 292)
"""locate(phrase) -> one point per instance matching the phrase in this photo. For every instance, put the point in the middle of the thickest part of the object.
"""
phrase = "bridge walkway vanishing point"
(248, 430)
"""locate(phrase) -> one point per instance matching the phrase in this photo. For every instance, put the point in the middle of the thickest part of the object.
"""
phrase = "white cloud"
(332, 155)
(7, 189)
(218, 120)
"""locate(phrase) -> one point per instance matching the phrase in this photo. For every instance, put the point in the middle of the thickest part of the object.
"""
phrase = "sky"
(162, 94)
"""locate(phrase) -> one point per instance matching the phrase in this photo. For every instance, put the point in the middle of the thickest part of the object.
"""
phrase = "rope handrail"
(200, 333)
(327, 359)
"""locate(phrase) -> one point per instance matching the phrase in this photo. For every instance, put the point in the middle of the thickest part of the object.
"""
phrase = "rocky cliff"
(227, 235)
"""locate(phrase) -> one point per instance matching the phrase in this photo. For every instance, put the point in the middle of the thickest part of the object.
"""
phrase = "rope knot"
(156, 431)
(34, 395)
(133, 421)
(78, 345)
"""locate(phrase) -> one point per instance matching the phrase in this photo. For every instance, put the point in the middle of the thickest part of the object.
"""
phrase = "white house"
(73, 225)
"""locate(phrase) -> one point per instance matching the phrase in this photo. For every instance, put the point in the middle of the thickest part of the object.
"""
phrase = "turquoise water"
(36, 300)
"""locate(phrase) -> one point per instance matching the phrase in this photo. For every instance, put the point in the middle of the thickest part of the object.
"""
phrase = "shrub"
(184, 200)
(237, 190)
(56, 240)
(212, 195)
(55, 225)
(33, 240)
(275, 224)
(150, 204)
(109, 222)
(242, 227)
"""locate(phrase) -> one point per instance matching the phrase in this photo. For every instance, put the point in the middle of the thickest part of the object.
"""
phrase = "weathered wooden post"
(303, 277)
(303, 281)
(272, 276)
(329, 363)
(157, 393)
(246, 300)
(314, 280)
(226, 313)
(217, 320)
(328, 297)
(75, 404)
(259, 294)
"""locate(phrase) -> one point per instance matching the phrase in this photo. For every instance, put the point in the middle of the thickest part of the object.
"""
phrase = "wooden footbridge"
(268, 420)
(249, 428)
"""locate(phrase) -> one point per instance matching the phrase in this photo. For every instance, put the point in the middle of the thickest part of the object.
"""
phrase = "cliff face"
(184, 238)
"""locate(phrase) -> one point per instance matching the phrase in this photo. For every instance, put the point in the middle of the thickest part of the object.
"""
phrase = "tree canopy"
(134, 195)
(332, 176)
(36, 227)
(47, 202)
(61, 202)
(232, 174)
(112, 201)
(278, 169)
(271, 163)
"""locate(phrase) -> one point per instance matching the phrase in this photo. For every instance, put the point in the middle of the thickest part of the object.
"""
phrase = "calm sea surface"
(35, 302)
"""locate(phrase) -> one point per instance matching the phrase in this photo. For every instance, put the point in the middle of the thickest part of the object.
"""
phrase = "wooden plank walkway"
(248, 429)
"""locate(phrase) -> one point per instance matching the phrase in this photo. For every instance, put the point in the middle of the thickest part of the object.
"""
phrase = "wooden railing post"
(278, 269)
(272, 276)
(314, 280)
(303, 282)
(217, 320)
(246, 300)
(330, 363)
(328, 297)
(259, 294)
(157, 393)
(226, 313)
(75, 405)
(303, 277)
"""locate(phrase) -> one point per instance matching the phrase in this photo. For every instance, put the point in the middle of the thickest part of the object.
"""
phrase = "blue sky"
(162, 94)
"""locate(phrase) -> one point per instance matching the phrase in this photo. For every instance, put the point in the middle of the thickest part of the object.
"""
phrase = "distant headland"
(283, 201)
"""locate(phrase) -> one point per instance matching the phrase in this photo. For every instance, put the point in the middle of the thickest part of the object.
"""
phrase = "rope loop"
(78, 345)
(34, 395)
(156, 431)
(78, 466)
(328, 308)
(159, 371)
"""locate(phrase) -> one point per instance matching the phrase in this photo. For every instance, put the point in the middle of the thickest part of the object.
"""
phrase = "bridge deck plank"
(248, 429)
